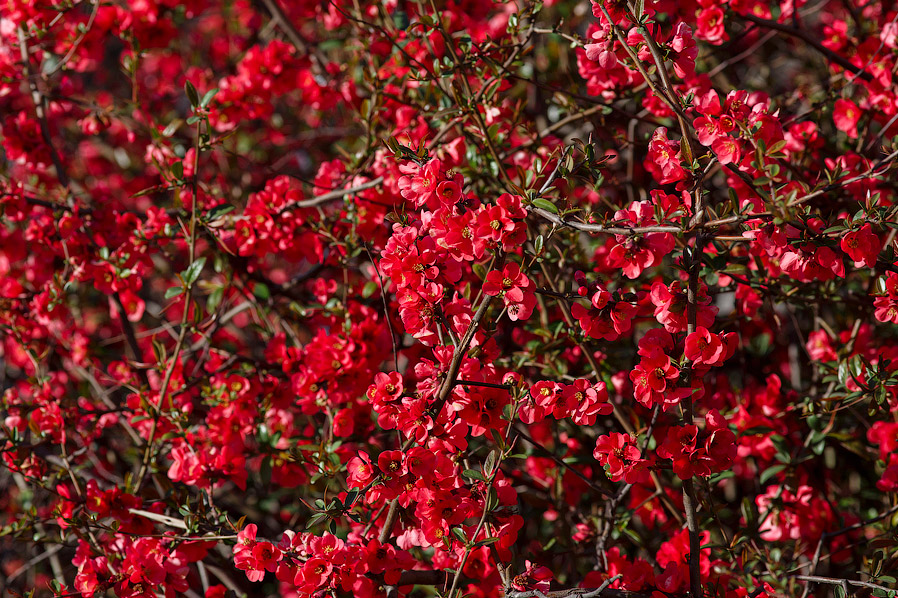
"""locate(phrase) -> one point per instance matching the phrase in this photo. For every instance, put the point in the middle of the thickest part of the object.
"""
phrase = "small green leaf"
(460, 534)
(172, 127)
(207, 97)
(545, 205)
(193, 270)
(369, 289)
(473, 475)
(318, 517)
(479, 270)
(214, 299)
(770, 472)
(173, 292)
(843, 373)
(538, 245)
(490, 464)
(192, 95)
(219, 211)
(777, 146)
(261, 291)
(856, 366)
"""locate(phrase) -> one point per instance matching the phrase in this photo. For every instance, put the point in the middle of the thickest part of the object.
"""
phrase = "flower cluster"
(390, 298)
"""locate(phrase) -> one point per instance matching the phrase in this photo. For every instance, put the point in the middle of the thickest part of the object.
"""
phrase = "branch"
(600, 491)
(601, 228)
(38, 98)
(281, 20)
(811, 41)
(577, 593)
(445, 390)
(842, 582)
(336, 194)
(423, 578)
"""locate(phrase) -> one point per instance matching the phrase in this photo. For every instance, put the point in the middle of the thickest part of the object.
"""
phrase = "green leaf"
(173, 292)
(538, 244)
(473, 475)
(261, 291)
(193, 270)
(855, 366)
(748, 511)
(545, 205)
(460, 534)
(192, 95)
(219, 211)
(497, 437)
(214, 299)
(369, 289)
(490, 464)
(479, 270)
(207, 97)
(486, 541)
(318, 517)
(771, 471)
(492, 501)
(777, 146)
(172, 127)
(843, 373)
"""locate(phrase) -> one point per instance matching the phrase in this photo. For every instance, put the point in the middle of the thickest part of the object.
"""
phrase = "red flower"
(706, 348)
(684, 50)
(514, 288)
(846, 116)
(315, 573)
(820, 347)
(664, 158)
(682, 448)
(862, 246)
(727, 149)
(583, 402)
(361, 471)
(710, 25)
(621, 455)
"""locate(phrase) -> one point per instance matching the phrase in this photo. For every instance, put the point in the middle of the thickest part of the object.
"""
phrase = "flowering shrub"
(462, 298)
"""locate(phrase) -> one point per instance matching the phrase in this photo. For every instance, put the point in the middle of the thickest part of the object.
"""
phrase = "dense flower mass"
(500, 299)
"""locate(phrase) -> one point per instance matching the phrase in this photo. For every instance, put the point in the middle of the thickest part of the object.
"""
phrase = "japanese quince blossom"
(514, 289)
(488, 299)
